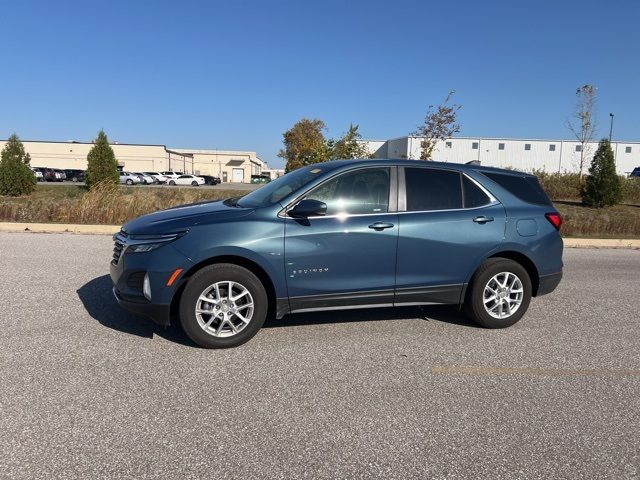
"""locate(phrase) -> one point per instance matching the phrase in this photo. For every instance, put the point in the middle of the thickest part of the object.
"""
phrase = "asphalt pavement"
(89, 391)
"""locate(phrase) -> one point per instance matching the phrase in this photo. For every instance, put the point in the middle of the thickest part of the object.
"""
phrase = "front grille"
(119, 245)
(135, 281)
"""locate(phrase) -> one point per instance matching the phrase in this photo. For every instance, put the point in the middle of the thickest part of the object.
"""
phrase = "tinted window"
(525, 188)
(357, 192)
(430, 189)
(473, 195)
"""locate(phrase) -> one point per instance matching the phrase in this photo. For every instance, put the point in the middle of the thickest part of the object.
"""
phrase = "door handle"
(483, 219)
(379, 226)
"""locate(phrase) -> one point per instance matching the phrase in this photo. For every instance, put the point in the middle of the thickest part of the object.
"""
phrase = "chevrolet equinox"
(344, 234)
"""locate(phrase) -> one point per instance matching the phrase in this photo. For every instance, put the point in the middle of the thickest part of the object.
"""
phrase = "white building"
(521, 154)
(230, 166)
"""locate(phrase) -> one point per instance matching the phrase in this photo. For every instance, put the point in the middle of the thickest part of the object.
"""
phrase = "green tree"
(304, 144)
(349, 146)
(439, 124)
(102, 166)
(602, 187)
(16, 178)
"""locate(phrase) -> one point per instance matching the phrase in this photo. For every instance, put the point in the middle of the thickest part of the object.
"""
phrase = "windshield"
(279, 188)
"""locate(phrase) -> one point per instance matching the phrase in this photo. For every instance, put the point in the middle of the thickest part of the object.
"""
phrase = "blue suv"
(344, 234)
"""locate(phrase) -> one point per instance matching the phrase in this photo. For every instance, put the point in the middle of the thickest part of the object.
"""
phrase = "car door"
(347, 257)
(448, 222)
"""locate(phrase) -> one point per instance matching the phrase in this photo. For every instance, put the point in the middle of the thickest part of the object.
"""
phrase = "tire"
(205, 279)
(172, 183)
(194, 184)
(484, 277)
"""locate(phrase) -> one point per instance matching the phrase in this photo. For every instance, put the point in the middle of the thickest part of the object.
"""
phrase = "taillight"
(555, 218)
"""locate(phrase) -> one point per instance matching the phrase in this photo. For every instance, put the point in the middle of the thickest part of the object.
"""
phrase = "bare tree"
(439, 124)
(583, 126)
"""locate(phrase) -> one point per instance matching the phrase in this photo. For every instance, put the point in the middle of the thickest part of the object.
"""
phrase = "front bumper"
(548, 283)
(159, 313)
(128, 271)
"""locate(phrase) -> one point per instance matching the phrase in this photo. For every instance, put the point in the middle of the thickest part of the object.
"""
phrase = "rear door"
(447, 223)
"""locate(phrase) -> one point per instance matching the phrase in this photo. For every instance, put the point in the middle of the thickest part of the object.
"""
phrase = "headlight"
(146, 243)
(144, 247)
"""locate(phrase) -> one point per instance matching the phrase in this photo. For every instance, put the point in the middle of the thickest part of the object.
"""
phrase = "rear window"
(526, 188)
(431, 189)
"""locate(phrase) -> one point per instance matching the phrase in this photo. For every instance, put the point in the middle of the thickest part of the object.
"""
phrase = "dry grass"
(102, 205)
(621, 221)
(73, 204)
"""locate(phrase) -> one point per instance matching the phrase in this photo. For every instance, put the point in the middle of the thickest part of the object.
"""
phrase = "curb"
(111, 229)
(59, 228)
(601, 243)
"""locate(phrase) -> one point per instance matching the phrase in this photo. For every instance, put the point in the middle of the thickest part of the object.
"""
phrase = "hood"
(183, 217)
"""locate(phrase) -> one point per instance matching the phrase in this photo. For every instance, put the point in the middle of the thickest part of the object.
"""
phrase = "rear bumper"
(157, 312)
(548, 283)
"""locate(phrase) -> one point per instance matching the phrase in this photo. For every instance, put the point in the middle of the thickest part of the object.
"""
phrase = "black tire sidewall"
(474, 305)
(208, 276)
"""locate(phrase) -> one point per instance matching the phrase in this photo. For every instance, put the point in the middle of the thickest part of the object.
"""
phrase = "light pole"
(611, 127)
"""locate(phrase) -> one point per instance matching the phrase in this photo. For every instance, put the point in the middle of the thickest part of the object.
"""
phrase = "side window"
(473, 195)
(431, 189)
(358, 192)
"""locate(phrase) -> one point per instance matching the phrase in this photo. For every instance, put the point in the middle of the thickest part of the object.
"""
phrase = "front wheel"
(499, 293)
(223, 306)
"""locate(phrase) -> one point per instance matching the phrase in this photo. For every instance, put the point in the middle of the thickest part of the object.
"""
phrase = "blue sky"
(237, 74)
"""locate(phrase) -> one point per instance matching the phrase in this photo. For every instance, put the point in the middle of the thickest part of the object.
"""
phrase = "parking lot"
(89, 390)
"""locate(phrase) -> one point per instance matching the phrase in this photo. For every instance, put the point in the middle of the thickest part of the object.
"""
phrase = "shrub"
(102, 166)
(16, 178)
(602, 187)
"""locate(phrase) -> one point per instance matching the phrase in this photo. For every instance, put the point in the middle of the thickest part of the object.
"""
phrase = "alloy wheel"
(503, 295)
(224, 309)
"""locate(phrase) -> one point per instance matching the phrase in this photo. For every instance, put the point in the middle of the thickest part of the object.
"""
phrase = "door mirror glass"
(308, 208)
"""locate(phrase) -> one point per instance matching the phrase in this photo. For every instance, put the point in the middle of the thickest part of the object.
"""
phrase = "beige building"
(230, 166)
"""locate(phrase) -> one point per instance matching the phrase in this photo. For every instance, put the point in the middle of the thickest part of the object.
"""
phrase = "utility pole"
(611, 127)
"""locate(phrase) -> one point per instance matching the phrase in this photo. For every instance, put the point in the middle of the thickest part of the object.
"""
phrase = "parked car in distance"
(49, 174)
(344, 234)
(635, 173)
(158, 177)
(75, 175)
(60, 175)
(210, 180)
(144, 178)
(171, 175)
(187, 180)
(260, 178)
(129, 178)
(38, 173)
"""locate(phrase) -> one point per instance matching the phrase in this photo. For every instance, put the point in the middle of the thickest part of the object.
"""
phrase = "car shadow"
(98, 300)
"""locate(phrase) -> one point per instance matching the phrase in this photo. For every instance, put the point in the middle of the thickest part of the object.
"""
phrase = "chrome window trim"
(283, 213)
(492, 200)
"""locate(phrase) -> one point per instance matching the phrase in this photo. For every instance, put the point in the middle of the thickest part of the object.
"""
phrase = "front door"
(447, 224)
(348, 257)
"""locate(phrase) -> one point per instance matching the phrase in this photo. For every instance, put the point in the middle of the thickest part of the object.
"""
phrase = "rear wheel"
(499, 294)
(222, 306)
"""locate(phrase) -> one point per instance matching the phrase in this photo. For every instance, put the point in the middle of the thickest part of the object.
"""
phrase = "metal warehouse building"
(230, 166)
(522, 154)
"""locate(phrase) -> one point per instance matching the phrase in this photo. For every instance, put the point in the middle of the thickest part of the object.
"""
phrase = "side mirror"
(308, 208)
